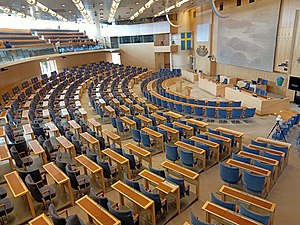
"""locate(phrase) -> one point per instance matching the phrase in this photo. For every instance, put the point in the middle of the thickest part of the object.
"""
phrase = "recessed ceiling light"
(23, 6)
(127, 13)
(131, 9)
(101, 10)
(70, 11)
(101, 3)
(101, 14)
(137, 3)
(63, 5)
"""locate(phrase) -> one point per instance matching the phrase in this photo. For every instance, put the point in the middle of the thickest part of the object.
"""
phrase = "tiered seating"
(21, 38)
(154, 92)
(65, 37)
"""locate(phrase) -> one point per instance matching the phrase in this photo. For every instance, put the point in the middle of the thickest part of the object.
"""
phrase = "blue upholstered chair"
(210, 112)
(108, 171)
(159, 203)
(203, 136)
(249, 112)
(145, 138)
(211, 103)
(136, 136)
(224, 104)
(258, 143)
(157, 172)
(261, 218)
(168, 124)
(165, 134)
(250, 150)
(188, 109)
(236, 104)
(213, 131)
(178, 107)
(200, 102)
(264, 165)
(187, 158)
(222, 114)
(273, 156)
(121, 128)
(184, 189)
(131, 183)
(227, 205)
(230, 175)
(196, 221)
(279, 148)
(187, 141)
(125, 216)
(240, 158)
(171, 152)
(113, 121)
(231, 136)
(198, 111)
(253, 183)
(236, 114)
(133, 162)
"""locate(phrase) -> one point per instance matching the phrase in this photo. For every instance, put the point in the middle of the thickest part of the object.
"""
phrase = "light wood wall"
(16, 74)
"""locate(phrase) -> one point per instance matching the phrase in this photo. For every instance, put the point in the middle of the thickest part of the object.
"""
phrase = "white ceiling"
(95, 7)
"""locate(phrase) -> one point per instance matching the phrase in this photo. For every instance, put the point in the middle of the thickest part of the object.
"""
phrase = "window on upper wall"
(251, 1)
(221, 6)
(137, 39)
(238, 2)
(148, 38)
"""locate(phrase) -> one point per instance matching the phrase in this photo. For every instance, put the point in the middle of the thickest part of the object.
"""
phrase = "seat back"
(229, 174)
(145, 138)
(258, 143)
(15, 155)
(33, 188)
(154, 196)
(261, 218)
(100, 200)
(196, 221)
(222, 203)
(179, 182)
(56, 219)
(171, 152)
(35, 174)
(125, 216)
(131, 159)
(186, 158)
(72, 175)
(157, 172)
(131, 183)
(105, 167)
(240, 158)
(252, 182)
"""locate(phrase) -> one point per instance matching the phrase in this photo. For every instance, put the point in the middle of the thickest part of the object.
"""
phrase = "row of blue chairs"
(285, 127)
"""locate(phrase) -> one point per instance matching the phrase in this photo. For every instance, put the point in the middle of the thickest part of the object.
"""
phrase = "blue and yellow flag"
(186, 41)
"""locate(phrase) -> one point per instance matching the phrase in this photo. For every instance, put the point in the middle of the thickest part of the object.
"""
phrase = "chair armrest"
(63, 211)
(101, 194)
(164, 200)
(45, 191)
(115, 206)
(135, 217)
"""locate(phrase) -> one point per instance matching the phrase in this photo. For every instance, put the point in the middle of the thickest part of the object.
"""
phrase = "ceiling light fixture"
(142, 9)
(46, 9)
(11, 11)
(83, 11)
(114, 7)
(167, 10)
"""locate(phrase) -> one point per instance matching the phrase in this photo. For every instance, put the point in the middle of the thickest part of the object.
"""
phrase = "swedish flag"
(186, 41)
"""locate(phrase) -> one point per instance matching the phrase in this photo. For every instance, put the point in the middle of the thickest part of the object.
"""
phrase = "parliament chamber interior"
(128, 112)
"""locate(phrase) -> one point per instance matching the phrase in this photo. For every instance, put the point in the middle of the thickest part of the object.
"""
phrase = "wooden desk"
(145, 120)
(264, 106)
(116, 139)
(27, 130)
(67, 145)
(92, 142)
(60, 178)
(83, 114)
(116, 102)
(97, 127)
(262, 159)
(128, 101)
(253, 202)
(238, 136)
(19, 189)
(65, 113)
(53, 128)
(173, 115)
(5, 155)
(164, 187)
(125, 109)
(159, 118)
(188, 175)
(138, 108)
(75, 127)
(155, 135)
(200, 153)
(275, 152)
(216, 89)
(119, 159)
(225, 216)
(136, 197)
(110, 111)
(140, 152)
(202, 126)
(96, 212)
(253, 169)
(214, 147)
(62, 104)
(130, 123)
(37, 149)
(187, 129)
(226, 141)
(171, 131)
(93, 167)
(40, 220)
(152, 108)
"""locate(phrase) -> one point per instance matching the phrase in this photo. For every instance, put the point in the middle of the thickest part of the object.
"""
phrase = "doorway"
(48, 66)
(116, 58)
